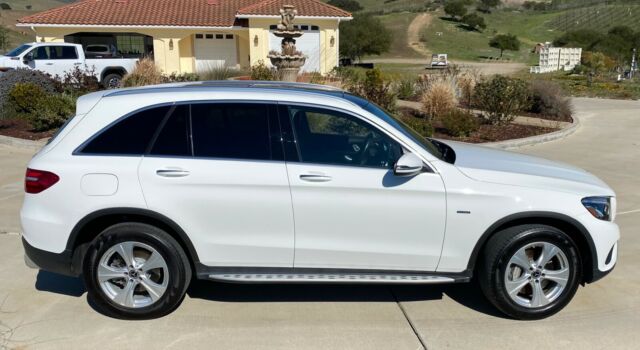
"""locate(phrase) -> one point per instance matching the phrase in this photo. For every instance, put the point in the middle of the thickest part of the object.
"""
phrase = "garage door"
(215, 51)
(308, 43)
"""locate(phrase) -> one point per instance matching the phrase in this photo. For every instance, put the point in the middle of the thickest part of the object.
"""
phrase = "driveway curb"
(534, 140)
(21, 143)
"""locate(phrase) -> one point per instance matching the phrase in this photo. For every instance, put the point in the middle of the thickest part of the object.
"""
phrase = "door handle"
(315, 177)
(77, 63)
(172, 172)
(49, 64)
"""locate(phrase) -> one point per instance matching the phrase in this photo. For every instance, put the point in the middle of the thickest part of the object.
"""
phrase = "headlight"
(599, 207)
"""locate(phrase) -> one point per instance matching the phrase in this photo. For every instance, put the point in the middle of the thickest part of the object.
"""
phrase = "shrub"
(467, 84)
(548, 99)
(474, 22)
(145, 73)
(218, 73)
(422, 126)
(501, 98)
(459, 123)
(406, 89)
(43, 110)
(374, 87)
(20, 76)
(78, 82)
(439, 98)
(180, 78)
(260, 71)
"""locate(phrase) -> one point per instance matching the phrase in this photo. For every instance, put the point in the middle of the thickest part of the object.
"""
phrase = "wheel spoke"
(125, 250)
(155, 290)
(155, 261)
(538, 298)
(548, 252)
(514, 287)
(558, 276)
(521, 259)
(107, 273)
(125, 296)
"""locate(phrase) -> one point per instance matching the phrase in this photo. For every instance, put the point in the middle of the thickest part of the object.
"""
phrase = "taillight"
(37, 181)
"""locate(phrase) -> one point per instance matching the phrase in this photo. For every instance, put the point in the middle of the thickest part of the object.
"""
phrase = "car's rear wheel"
(530, 271)
(136, 271)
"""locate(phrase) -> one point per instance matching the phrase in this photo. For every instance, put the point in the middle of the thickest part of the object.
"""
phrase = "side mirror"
(408, 165)
(27, 58)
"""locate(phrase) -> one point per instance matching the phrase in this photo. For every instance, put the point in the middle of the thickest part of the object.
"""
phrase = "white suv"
(271, 182)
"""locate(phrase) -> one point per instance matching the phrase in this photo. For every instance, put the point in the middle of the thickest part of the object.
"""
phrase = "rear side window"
(238, 131)
(129, 136)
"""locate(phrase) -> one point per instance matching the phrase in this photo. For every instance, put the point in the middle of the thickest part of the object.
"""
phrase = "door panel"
(350, 210)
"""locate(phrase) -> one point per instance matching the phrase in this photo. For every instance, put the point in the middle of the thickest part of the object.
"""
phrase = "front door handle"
(172, 172)
(315, 177)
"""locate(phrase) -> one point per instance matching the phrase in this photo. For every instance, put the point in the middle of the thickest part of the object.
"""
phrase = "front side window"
(128, 136)
(231, 130)
(331, 137)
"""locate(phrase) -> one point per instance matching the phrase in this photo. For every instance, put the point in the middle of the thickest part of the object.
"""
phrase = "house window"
(199, 36)
(209, 36)
(219, 36)
(273, 27)
(315, 28)
(229, 36)
(305, 27)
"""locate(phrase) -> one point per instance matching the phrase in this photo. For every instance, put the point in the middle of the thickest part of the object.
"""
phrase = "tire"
(538, 291)
(112, 81)
(150, 286)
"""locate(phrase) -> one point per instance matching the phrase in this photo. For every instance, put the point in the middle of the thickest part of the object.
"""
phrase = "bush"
(374, 87)
(459, 123)
(548, 99)
(501, 98)
(260, 71)
(20, 76)
(218, 73)
(439, 98)
(181, 78)
(43, 110)
(347, 5)
(422, 126)
(145, 73)
(78, 82)
(406, 89)
(474, 22)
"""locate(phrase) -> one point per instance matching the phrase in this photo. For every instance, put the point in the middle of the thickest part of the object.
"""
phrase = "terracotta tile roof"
(178, 13)
(304, 7)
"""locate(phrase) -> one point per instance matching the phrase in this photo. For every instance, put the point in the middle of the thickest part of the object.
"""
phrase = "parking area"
(39, 310)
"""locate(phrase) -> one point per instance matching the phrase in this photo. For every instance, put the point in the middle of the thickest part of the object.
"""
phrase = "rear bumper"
(61, 263)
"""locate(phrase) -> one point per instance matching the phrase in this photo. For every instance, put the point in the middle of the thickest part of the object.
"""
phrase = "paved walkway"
(41, 311)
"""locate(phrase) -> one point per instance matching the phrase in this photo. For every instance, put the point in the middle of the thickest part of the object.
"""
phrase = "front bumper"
(61, 263)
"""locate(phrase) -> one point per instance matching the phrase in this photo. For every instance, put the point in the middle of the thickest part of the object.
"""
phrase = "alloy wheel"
(537, 274)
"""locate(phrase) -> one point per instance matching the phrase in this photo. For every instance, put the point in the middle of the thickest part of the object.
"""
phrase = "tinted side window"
(330, 137)
(130, 136)
(231, 131)
(174, 139)
(67, 53)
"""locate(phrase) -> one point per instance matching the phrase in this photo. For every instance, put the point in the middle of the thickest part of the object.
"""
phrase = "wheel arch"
(113, 70)
(93, 224)
(578, 233)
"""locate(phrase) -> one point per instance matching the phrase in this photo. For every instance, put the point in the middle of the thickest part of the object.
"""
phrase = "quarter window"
(331, 137)
(129, 136)
(238, 131)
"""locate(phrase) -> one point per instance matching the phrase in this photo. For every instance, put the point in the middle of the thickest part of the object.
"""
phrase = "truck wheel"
(136, 271)
(112, 81)
(530, 272)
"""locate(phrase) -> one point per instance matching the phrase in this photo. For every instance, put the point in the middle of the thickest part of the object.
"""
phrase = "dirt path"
(413, 33)
(486, 68)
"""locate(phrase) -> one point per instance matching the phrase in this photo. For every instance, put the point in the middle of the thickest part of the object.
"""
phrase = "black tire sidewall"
(532, 235)
(154, 237)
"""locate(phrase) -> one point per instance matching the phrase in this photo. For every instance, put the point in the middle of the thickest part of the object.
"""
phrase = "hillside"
(21, 8)
(601, 17)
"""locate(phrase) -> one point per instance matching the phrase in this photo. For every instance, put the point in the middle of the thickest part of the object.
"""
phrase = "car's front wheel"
(136, 271)
(530, 271)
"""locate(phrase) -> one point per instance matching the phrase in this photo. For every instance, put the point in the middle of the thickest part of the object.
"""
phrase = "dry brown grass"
(439, 98)
(145, 73)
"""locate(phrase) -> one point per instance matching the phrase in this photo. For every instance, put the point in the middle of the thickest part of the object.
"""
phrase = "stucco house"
(185, 36)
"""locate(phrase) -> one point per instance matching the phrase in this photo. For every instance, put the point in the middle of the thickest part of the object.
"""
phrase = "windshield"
(427, 143)
(17, 51)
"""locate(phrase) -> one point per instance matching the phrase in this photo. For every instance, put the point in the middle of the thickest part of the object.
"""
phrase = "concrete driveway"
(39, 310)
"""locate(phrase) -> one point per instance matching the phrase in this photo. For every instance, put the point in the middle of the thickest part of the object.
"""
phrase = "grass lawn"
(392, 6)
(398, 23)
(462, 44)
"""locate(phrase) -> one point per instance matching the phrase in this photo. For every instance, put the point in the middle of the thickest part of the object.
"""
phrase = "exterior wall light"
(171, 44)
(332, 42)
(255, 40)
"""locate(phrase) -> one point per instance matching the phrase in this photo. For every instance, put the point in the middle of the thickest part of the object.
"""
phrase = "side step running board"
(333, 278)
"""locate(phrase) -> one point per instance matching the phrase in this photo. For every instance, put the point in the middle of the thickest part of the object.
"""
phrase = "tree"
(474, 22)
(4, 39)
(486, 5)
(364, 35)
(455, 9)
(347, 5)
(505, 42)
(501, 98)
(5, 6)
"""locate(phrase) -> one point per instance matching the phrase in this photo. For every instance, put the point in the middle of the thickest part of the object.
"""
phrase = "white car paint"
(59, 67)
(262, 214)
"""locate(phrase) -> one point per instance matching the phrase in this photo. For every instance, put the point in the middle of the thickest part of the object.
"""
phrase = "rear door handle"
(315, 177)
(172, 172)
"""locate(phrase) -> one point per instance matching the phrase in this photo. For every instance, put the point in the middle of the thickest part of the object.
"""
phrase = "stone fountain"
(289, 60)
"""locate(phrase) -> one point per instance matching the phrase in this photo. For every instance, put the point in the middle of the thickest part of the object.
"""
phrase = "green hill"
(598, 17)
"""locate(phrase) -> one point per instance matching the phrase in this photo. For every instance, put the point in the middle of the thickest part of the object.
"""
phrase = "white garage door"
(215, 51)
(308, 43)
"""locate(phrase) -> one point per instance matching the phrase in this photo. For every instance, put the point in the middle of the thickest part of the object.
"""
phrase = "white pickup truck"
(58, 58)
